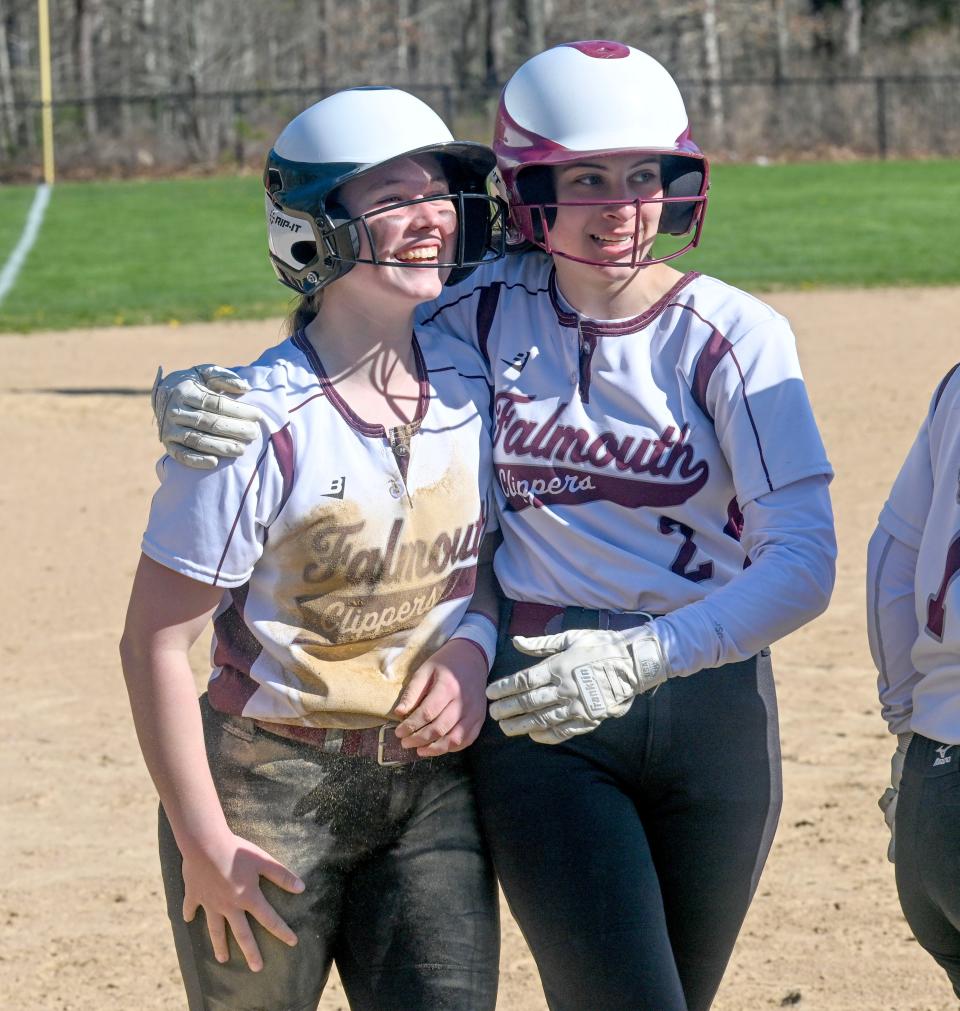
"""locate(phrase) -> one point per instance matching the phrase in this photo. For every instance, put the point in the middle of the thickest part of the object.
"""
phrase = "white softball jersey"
(913, 595)
(347, 553)
(627, 451)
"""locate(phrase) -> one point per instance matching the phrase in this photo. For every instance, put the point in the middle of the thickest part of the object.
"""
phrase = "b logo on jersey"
(336, 487)
(518, 362)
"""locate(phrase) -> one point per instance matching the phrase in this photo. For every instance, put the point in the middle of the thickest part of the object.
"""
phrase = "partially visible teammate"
(665, 515)
(913, 618)
(313, 805)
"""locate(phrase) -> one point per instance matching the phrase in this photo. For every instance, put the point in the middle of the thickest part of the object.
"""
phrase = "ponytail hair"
(304, 312)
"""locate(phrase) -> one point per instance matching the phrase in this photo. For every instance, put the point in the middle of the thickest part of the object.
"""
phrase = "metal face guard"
(493, 245)
(636, 259)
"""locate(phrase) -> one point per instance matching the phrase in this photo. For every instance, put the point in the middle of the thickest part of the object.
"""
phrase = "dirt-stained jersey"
(923, 513)
(347, 553)
(624, 451)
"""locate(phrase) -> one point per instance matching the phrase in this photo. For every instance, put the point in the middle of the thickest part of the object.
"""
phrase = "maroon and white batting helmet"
(596, 98)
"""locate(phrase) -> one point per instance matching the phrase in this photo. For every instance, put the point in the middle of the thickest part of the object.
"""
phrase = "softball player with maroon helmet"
(663, 499)
(913, 619)
(313, 804)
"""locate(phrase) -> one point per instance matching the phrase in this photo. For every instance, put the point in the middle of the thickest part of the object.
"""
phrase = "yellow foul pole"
(46, 91)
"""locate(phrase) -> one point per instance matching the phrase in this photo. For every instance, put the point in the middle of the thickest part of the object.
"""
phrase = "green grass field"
(195, 249)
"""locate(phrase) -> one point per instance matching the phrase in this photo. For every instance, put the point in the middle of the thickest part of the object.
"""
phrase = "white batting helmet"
(596, 98)
(313, 240)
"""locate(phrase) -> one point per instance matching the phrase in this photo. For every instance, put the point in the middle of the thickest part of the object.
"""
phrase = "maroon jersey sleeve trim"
(710, 357)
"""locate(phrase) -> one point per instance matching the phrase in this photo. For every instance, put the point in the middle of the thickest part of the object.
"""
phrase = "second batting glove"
(588, 675)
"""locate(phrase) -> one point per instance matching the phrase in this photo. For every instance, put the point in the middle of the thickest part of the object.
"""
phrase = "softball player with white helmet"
(313, 804)
(663, 500)
(913, 619)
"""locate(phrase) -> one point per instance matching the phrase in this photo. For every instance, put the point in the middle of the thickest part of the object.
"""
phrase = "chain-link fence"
(736, 119)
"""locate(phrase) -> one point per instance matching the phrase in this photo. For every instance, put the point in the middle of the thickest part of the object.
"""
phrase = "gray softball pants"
(399, 887)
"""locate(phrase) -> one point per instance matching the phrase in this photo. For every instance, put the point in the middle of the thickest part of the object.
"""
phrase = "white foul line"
(30, 231)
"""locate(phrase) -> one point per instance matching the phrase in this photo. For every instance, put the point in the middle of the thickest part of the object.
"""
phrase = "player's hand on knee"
(223, 876)
(587, 675)
(197, 420)
(888, 800)
(443, 705)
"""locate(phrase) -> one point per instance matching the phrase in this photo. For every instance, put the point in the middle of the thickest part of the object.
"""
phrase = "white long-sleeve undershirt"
(892, 624)
(788, 535)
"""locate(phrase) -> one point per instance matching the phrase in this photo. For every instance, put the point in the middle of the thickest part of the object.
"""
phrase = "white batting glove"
(197, 421)
(888, 801)
(590, 674)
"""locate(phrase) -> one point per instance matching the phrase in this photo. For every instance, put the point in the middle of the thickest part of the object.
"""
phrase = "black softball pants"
(928, 850)
(629, 855)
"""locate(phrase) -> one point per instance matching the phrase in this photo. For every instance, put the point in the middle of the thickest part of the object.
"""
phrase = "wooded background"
(155, 85)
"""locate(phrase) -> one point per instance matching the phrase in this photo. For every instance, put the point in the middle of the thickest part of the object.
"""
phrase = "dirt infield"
(80, 904)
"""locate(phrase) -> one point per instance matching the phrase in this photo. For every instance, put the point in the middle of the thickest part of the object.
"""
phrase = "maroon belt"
(380, 743)
(547, 619)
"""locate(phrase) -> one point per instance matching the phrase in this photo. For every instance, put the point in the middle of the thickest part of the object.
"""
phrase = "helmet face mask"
(313, 239)
(597, 99)
(682, 211)
(344, 243)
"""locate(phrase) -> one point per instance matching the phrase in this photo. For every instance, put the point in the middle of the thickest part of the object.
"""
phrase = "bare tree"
(87, 18)
(711, 53)
(532, 17)
(467, 47)
(494, 41)
(8, 120)
(781, 52)
(852, 16)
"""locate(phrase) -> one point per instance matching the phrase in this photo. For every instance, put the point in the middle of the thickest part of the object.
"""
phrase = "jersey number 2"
(686, 553)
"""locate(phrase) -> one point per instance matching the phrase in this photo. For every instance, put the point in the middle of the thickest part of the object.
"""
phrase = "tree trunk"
(148, 35)
(533, 16)
(781, 53)
(402, 28)
(8, 119)
(711, 53)
(493, 48)
(87, 11)
(852, 17)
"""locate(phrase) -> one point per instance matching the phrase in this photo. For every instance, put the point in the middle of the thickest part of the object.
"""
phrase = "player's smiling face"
(410, 240)
(609, 229)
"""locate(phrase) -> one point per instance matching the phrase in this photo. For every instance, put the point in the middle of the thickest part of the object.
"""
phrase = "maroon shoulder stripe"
(282, 442)
(711, 355)
(486, 312)
(943, 385)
